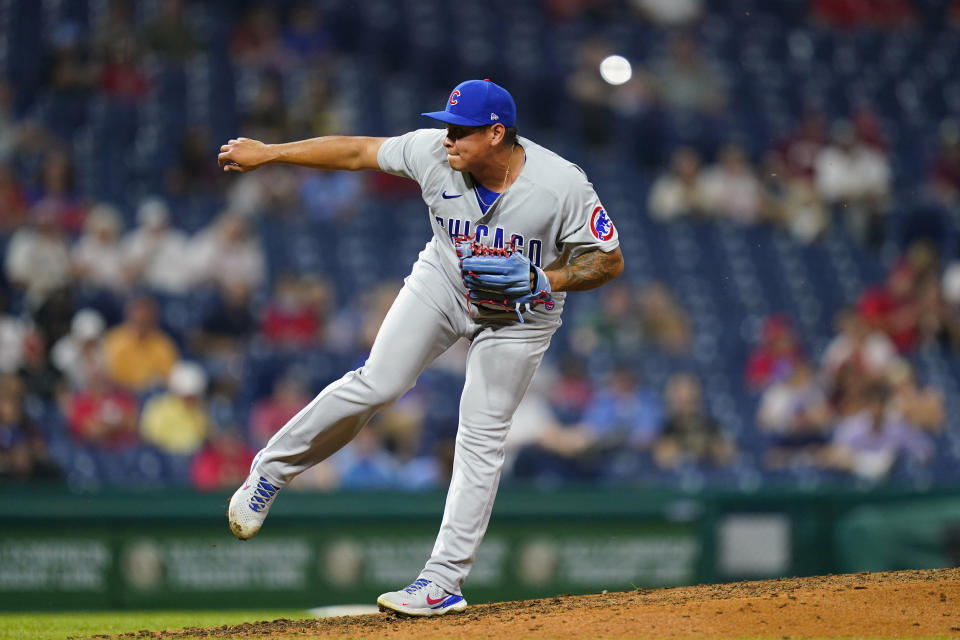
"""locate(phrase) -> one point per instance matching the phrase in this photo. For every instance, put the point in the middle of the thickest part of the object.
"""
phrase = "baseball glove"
(501, 277)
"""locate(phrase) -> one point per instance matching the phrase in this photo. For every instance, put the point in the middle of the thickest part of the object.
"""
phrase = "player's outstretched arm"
(587, 271)
(331, 153)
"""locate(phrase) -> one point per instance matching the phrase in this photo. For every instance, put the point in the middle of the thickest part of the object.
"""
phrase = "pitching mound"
(902, 604)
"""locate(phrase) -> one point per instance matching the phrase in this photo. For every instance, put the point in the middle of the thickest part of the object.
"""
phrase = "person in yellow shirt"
(177, 422)
(139, 355)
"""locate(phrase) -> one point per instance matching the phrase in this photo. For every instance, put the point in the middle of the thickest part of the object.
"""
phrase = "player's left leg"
(500, 365)
(413, 333)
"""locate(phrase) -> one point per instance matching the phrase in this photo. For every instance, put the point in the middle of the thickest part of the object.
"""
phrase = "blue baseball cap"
(476, 103)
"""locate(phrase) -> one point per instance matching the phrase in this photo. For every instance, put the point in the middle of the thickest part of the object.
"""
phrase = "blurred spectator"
(797, 416)
(871, 352)
(270, 191)
(38, 259)
(330, 195)
(400, 426)
(193, 175)
(688, 81)
(365, 462)
(799, 150)
(950, 292)
(42, 383)
(155, 253)
(116, 24)
(689, 434)
(730, 188)
(624, 414)
(777, 354)
(945, 172)
(920, 406)
(227, 324)
(13, 332)
(98, 256)
(54, 316)
(10, 130)
(122, 77)
(69, 77)
(56, 193)
(228, 254)
(853, 176)
(591, 94)
(270, 414)
(850, 14)
(665, 323)
(572, 391)
(870, 442)
(305, 36)
(539, 446)
(13, 201)
(295, 317)
(222, 463)
(891, 308)
(930, 309)
(79, 354)
(257, 41)
(102, 415)
(312, 111)
(792, 201)
(611, 327)
(856, 356)
(139, 354)
(669, 13)
(869, 128)
(23, 450)
(677, 193)
(170, 34)
(627, 113)
(177, 421)
(266, 118)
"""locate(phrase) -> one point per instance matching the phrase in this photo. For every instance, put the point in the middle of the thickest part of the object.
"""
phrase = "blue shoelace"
(262, 495)
(416, 586)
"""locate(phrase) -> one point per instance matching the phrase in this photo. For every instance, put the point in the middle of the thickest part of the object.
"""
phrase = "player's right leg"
(413, 333)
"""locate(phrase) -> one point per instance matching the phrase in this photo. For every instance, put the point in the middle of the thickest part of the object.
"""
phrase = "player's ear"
(497, 131)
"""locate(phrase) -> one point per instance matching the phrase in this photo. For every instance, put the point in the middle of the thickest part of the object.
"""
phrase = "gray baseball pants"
(420, 325)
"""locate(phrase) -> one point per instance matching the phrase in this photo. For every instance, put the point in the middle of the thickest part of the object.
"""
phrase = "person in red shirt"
(103, 415)
(295, 316)
(122, 78)
(851, 14)
(777, 355)
(222, 462)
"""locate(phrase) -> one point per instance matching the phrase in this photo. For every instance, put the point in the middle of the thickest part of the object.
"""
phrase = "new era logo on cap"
(476, 103)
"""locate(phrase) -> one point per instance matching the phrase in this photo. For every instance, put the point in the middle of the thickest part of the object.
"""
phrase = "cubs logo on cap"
(601, 226)
(476, 103)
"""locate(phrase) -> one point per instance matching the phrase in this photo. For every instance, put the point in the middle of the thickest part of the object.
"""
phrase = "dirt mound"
(902, 604)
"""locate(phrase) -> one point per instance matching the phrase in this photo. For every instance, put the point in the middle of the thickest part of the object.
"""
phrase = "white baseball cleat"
(422, 598)
(249, 506)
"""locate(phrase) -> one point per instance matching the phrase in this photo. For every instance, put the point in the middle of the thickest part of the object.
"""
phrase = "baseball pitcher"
(515, 227)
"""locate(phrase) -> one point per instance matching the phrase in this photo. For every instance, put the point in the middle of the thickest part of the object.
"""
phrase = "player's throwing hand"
(243, 154)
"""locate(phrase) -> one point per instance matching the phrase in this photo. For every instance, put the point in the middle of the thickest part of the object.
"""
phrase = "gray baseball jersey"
(552, 214)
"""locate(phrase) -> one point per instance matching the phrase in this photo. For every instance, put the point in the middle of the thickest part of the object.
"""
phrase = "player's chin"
(456, 162)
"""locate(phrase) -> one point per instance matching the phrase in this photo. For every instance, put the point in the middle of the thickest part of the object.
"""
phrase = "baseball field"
(903, 604)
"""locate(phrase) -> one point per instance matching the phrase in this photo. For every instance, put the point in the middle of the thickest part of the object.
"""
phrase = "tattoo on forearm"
(590, 270)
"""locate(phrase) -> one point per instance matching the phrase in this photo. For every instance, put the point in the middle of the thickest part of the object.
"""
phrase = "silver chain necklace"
(503, 187)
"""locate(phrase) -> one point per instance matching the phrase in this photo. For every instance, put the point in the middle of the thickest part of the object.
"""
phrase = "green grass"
(59, 626)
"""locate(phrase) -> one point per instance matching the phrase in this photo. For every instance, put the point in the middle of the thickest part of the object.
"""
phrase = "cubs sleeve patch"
(601, 226)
